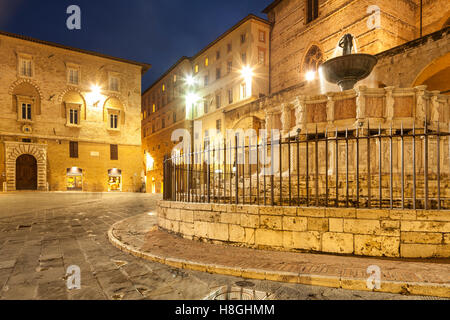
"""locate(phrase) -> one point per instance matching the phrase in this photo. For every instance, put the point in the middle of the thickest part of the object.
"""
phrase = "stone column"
(390, 102)
(285, 118)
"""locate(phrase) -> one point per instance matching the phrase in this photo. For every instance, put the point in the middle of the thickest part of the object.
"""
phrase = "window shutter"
(73, 149)
(114, 152)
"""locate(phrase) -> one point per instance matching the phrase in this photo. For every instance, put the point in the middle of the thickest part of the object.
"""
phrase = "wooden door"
(26, 173)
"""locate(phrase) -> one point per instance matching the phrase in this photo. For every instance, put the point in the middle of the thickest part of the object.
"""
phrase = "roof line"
(271, 6)
(167, 72)
(145, 66)
(223, 35)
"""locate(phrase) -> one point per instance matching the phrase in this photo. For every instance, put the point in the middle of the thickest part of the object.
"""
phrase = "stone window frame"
(114, 111)
(243, 90)
(25, 100)
(263, 33)
(114, 75)
(74, 67)
(318, 62)
(315, 5)
(25, 57)
(73, 106)
(264, 51)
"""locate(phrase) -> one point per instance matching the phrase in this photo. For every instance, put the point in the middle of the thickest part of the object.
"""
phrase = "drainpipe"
(421, 18)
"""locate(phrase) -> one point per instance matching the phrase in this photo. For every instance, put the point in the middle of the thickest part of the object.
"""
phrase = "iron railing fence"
(362, 168)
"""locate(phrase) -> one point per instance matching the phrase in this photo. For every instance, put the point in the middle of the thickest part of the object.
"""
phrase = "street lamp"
(310, 76)
(247, 74)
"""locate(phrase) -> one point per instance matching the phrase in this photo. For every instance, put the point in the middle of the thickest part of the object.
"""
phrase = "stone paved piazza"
(41, 235)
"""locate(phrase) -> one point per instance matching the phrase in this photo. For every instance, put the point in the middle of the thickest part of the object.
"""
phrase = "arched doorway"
(436, 76)
(26, 172)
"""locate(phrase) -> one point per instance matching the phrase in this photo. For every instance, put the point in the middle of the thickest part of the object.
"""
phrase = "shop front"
(74, 179)
(114, 180)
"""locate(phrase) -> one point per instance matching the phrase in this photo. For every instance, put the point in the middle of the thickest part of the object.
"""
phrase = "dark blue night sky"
(158, 32)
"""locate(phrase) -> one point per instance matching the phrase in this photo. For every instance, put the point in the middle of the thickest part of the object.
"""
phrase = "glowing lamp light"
(95, 96)
(247, 72)
(310, 76)
(190, 81)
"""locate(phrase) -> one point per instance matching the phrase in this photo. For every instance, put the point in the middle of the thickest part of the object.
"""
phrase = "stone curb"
(396, 287)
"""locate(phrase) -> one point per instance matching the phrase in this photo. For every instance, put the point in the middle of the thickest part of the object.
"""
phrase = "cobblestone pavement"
(42, 234)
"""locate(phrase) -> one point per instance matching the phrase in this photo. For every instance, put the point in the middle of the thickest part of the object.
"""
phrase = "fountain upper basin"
(347, 70)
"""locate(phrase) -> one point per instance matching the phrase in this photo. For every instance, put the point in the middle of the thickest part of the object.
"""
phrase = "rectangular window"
(163, 123)
(73, 149)
(206, 81)
(261, 56)
(205, 106)
(114, 84)
(114, 152)
(174, 78)
(218, 102)
(154, 108)
(206, 62)
(244, 90)
(25, 67)
(219, 125)
(244, 58)
(174, 117)
(243, 38)
(196, 68)
(73, 76)
(73, 116)
(312, 10)
(229, 47)
(26, 111)
(229, 67)
(230, 96)
(114, 121)
(217, 54)
(262, 36)
(218, 73)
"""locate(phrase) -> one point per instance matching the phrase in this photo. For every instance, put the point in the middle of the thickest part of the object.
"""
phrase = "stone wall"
(362, 232)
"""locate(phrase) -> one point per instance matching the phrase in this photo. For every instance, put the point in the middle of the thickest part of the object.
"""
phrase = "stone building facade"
(229, 73)
(70, 118)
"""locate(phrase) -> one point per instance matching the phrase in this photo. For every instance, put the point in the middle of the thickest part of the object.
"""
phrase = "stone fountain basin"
(349, 69)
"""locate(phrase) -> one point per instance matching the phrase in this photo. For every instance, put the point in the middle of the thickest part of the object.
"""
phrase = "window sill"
(73, 125)
(113, 130)
(25, 121)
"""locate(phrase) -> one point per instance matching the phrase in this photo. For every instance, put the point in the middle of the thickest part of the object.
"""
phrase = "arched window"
(313, 59)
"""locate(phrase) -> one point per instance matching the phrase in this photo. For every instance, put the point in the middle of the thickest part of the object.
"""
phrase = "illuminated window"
(174, 78)
(206, 62)
(154, 108)
(196, 68)
(312, 10)
(163, 87)
(313, 59)
(244, 90)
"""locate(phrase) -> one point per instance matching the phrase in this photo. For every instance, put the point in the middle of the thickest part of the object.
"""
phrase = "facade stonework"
(361, 232)
(68, 108)
(219, 87)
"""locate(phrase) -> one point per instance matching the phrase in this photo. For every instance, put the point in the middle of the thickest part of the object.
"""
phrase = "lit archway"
(436, 76)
